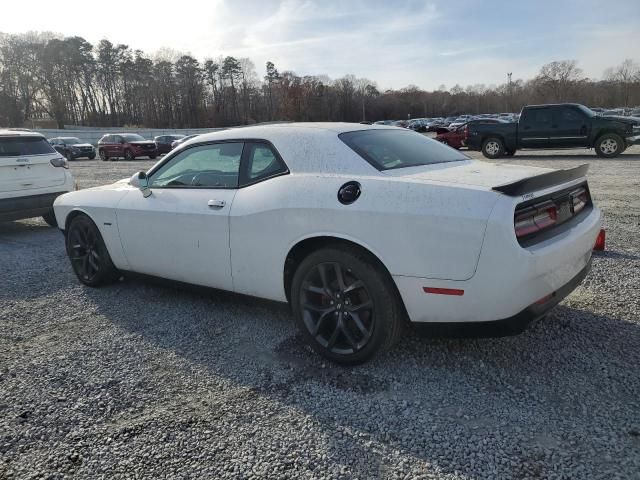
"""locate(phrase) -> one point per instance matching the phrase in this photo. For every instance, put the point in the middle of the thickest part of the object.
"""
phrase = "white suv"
(32, 175)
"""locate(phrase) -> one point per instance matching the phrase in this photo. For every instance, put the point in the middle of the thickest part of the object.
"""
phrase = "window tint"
(262, 162)
(539, 116)
(212, 166)
(569, 115)
(131, 137)
(387, 149)
(16, 146)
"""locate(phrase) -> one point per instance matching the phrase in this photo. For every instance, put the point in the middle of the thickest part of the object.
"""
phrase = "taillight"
(535, 219)
(466, 133)
(579, 199)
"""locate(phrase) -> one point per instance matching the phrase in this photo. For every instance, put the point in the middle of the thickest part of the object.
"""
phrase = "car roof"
(306, 147)
(9, 132)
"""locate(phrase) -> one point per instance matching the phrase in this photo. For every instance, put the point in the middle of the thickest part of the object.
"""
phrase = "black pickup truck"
(567, 125)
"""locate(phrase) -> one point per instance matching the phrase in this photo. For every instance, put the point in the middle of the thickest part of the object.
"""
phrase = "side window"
(205, 166)
(262, 162)
(116, 139)
(569, 116)
(541, 117)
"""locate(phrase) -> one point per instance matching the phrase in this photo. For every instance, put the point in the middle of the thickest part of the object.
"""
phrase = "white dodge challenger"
(358, 227)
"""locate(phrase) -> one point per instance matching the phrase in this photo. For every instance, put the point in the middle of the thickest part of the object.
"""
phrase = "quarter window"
(262, 162)
(204, 166)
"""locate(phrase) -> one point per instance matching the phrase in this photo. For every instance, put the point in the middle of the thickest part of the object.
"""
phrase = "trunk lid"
(25, 164)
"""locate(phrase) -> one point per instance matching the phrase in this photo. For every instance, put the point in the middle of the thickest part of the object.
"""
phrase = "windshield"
(388, 149)
(71, 140)
(16, 146)
(132, 137)
(586, 110)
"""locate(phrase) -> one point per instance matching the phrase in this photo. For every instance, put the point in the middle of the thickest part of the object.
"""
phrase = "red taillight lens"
(536, 219)
(600, 241)
(466, 133)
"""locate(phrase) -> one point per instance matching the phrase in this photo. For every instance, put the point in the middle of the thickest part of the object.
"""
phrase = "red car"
(126, 145)
(457, 136)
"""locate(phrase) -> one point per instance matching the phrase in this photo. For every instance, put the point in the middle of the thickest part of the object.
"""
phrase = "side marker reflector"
(600, 241)
(443, 291)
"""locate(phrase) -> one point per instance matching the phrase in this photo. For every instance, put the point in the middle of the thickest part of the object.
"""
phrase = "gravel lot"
(147, 380)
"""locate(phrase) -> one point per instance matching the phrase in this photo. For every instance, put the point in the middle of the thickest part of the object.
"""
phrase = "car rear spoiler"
(544, 180)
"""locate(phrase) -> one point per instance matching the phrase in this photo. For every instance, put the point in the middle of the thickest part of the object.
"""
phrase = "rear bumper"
(507, 326)
(509, 279)
(27, 207)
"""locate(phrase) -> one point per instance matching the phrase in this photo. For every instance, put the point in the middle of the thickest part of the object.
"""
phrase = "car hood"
(469, 172)
(81, 145)
(623, 119)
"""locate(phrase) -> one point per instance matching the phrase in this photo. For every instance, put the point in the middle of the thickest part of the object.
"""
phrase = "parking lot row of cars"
(117, 145)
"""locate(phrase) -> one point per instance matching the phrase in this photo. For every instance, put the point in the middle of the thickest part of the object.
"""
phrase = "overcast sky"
(395, 43)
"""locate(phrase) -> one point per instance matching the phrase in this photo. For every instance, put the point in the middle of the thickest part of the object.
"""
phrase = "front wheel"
(493, 148)
(609, 145)
(68, 155)
(88, 254)
(103, 155)
(91, 157)
(152, 157)
(346, 306)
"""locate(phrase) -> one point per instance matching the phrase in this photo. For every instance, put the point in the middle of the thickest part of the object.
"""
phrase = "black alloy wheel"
(88, 254)
(346, 305)
(337, 308)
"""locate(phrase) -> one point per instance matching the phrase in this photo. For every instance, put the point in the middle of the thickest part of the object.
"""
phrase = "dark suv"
(164, 142)
(72, 148)
(126, 145)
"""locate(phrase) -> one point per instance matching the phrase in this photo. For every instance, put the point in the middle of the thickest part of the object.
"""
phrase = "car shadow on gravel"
(560, 389)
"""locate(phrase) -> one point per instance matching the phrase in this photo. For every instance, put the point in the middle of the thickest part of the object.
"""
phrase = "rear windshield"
(16, 146)
(388, 149)
(71, 140)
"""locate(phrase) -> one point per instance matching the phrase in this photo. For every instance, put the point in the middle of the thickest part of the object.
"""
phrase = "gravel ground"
(147, 380)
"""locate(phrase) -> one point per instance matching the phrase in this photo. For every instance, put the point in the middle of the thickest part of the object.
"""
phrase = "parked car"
(32, 175)
(127, 146)
(455, 137)
(72, 148)
(358, 227)
(567, 125)
(180, 141)
(164, 142)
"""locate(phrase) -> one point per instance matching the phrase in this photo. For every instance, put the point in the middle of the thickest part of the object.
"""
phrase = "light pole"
(509, 91)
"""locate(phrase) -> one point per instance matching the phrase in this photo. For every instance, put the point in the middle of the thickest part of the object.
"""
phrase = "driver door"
(181, 231)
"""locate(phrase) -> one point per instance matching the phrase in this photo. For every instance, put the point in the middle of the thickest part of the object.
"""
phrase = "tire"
(103, 155)
(609, 145)
(88, 254)
(347, 325)
(69, 156)
(152, 157)
(50, 218)
(493, 148)
(128, 155)
(92, 157)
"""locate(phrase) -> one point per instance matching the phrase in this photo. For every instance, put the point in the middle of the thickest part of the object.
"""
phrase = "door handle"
(216, 203)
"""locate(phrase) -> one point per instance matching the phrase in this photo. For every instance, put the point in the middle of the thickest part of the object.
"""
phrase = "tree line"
(70, 81)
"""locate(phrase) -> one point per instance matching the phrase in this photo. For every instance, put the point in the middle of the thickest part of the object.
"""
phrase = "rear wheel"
(609, 145)
(493, 148)
(88, 254)
(68, 155)
(50, 218)
(346, 306)
(152, 157)
(92, 156)
(103, 155)
(128, 155)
